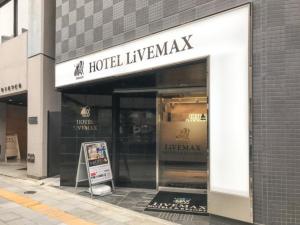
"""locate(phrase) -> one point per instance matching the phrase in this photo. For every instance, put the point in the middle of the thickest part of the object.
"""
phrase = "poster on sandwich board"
(94, 164)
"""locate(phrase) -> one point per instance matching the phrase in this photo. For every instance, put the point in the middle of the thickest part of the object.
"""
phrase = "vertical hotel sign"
(87, 122)
(222, 38)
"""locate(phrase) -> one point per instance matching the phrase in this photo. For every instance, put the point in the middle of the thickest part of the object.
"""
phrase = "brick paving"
(137, 200)
(54, 206)
(127, 198)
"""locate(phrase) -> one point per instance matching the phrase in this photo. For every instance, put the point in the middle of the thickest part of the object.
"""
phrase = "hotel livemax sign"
(83, 68)
(131, 57)
(142, 54)
(209, 37)
(224, 40)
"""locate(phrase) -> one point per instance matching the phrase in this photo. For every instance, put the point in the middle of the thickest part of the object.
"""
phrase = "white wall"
(13, 65)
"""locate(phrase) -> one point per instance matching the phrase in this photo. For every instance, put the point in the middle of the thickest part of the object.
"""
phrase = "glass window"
(183, 142)
(22, 16)
(7, 20)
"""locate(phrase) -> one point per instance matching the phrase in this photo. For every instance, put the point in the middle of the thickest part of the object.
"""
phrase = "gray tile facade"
(85, 26)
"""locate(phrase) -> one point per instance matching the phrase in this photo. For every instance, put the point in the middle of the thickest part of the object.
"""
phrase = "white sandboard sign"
(12, 148)
(94, 164)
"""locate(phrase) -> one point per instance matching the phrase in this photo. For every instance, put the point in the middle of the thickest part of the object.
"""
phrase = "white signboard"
(221, 37)
(12, 147)
(94, 164)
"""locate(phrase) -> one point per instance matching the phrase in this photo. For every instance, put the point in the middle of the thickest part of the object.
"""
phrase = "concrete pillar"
(42, 96)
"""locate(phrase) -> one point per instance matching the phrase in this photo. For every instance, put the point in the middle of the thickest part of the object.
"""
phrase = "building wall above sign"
(13, 66)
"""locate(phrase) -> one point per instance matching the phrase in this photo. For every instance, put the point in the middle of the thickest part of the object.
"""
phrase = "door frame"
(188, 92)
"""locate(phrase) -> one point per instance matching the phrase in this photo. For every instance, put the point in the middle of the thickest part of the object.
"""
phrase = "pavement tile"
(5, 217)
(79, 212)
(86, 206)
(27, 213)
(9, 205)
(99, 219)
(22, 221)
(50, 202)
(127, 205)
(2, 201)
(113, 222)
(66, 206)
(54, 202)
(44, 220)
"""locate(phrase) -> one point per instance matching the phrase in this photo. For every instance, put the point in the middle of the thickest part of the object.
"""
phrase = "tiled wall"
(85, 26)
(73, 134)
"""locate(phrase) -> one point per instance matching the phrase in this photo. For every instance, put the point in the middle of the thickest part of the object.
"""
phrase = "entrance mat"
(179, 203)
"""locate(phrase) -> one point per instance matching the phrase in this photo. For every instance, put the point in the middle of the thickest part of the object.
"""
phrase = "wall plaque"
(33, 120)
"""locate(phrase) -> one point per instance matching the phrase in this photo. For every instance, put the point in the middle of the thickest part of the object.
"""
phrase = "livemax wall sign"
(216, 36)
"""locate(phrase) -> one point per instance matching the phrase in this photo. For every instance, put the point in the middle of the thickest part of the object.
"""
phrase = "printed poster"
(98, 162)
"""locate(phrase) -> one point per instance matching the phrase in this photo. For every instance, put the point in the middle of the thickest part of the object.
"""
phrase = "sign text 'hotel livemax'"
(131, 57)
(149, 52)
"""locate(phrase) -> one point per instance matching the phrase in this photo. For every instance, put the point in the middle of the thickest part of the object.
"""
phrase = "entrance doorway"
(13, 135)
(182, 143)
(136, 136)
(13, 128)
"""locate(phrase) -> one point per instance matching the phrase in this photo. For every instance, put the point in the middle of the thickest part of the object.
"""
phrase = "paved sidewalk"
(48, 205)
(14, 169)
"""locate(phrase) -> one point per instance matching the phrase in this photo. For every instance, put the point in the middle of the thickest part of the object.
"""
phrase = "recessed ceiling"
(20, 99)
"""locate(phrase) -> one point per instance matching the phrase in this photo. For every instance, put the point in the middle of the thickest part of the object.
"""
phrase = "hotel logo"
(85, 112)
(78, 72)
(183, 135)
(85, 123)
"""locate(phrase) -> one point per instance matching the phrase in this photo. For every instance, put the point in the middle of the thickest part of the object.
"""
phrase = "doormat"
(179, 203)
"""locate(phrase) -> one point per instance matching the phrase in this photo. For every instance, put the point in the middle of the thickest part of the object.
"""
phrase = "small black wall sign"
(33, 120)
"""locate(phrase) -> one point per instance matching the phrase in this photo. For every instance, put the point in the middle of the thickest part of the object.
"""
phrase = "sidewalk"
(48, 205)
(13, 169)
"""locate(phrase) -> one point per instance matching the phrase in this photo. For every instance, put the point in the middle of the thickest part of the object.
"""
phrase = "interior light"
(194, 117)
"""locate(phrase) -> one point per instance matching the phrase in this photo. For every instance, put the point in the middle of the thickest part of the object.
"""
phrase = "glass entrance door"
(136, 141)
(182, 148)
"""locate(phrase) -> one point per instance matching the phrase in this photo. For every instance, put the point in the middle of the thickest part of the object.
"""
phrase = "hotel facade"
(191, 96)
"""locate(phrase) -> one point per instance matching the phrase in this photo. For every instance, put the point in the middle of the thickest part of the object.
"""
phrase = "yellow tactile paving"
(43, 209)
